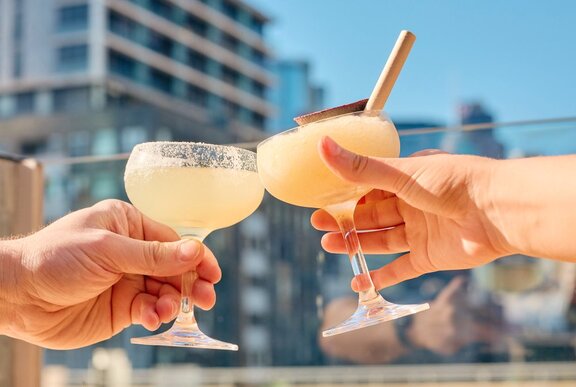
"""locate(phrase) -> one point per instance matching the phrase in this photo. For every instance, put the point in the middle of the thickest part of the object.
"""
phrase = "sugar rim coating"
(163, 154)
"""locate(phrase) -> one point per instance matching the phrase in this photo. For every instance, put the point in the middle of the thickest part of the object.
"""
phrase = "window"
(161, 80)
(73, 18)
(162, 8)
(229, 42)
(18, 23)
(34, 147)
(258, 88)
(197, 95)
(73, 58)
(197, 60)
(24, 102)
(17, 69)
(79, 143)
(231, 10)
(163, 134)
(123, 26)
(104, 185)
(258, 57)
(121, 64)
(17, 33)
(256, 25)
(231, 109)
(196, 25)
(258, 120)
(230, 76)
(71, 99)
(130, 136)
(104, 142)
(160, 43)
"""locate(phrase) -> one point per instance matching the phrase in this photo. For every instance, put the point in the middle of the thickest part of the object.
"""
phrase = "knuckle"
(383, 241)
(393, 275)
(101, 237)
(421, 265)
(404, 184)
(376, 216)
(359, 163)
(153, 254)
(109, 204)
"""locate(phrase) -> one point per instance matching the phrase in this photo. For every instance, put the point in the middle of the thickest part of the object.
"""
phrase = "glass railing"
(512, 320)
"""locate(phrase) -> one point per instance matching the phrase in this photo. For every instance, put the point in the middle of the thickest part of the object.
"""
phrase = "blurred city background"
(83, 81)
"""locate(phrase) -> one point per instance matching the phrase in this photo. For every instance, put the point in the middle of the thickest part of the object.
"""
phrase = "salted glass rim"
(380, 113)
(193, 154)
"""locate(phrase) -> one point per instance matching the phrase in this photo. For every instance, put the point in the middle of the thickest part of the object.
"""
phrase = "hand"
(93, 273)
(426, 206)
(440, 329)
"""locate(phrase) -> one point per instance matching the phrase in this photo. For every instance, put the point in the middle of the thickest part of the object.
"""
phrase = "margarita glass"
(194, 188)
(291, 169)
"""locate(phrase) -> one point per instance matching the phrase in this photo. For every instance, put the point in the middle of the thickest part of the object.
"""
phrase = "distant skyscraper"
(480, 142)
(294, 94)
(411, 142)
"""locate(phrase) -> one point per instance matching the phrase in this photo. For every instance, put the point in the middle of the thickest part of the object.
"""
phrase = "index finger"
(207, 269)
(156, 231)
(399, 270)
(124, 219)
(372, 215)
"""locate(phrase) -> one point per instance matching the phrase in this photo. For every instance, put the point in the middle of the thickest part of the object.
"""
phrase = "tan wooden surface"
(21, 198)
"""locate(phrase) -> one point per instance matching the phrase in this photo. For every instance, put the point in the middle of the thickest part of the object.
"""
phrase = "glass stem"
(344, 216)
(186, 314)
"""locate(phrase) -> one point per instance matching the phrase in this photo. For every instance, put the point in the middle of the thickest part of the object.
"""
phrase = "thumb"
(381, 173)
(154, 258)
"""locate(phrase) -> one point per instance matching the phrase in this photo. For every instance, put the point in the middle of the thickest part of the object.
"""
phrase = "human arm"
(455, 211)
(93, 273)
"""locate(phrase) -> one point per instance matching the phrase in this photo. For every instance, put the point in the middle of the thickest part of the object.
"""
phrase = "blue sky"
(518, 57)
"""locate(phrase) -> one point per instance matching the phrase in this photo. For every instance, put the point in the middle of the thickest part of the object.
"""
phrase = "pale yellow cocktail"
(194, 198)
(291, 169)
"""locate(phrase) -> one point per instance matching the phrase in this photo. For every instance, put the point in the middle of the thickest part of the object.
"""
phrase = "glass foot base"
(184, 336)
(374, 312)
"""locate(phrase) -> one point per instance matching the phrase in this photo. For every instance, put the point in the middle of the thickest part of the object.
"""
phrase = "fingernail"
(330, 146)
(354, 284)
(189, 250)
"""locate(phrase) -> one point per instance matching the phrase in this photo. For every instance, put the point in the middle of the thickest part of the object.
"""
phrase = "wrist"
(10, 273)
(491, 194)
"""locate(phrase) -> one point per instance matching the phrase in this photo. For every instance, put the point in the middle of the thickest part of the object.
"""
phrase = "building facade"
(94, 77)
(80, 79)
(204, 59)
